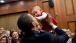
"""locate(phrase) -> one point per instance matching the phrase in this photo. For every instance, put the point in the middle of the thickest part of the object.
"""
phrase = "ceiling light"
(21, 2)
(2, 1)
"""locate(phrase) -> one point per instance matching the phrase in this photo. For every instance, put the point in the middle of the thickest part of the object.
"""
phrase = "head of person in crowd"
(68, 32)
(4, 33)
(1, 31)
(12, 30)
(1, 28)
(74, 38)
(27, 23)
(8, 32)
(3, 39)
(14, 36)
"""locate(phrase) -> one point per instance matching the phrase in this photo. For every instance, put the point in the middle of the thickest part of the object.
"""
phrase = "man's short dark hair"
(25, 23)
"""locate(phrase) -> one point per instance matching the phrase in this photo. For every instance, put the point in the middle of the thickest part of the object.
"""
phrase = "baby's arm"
(44, 15)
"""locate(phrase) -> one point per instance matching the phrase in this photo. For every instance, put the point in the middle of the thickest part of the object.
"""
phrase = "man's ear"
(33, 24)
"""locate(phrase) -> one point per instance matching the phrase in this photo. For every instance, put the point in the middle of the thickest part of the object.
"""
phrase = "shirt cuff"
(54, 27)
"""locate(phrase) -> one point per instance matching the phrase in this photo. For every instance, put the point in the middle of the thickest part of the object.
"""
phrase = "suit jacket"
(47, 37)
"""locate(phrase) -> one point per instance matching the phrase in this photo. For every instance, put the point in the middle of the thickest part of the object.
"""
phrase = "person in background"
(28, 24)
(3, 39)
(1, 31)
(74, 38)
(12, 30)
(15, 37)
(21, 33)
(69, 35)
(1, 28)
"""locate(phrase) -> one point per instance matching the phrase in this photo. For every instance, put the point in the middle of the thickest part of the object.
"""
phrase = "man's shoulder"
(45, 35)
(37, 37)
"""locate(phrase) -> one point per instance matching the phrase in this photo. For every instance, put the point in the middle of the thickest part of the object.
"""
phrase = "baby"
(41, 16)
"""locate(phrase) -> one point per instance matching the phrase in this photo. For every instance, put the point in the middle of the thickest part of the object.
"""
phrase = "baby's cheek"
(36, 15)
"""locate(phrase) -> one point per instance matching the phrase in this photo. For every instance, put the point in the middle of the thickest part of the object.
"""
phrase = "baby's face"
(37, 13)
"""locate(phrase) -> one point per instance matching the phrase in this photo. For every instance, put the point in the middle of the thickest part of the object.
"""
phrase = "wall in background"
(17, 6)
(10, 21)
(64, 11)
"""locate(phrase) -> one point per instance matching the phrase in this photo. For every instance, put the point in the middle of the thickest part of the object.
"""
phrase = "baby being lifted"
(41, 16)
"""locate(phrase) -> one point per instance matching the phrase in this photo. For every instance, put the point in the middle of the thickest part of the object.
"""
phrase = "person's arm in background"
(9, 40)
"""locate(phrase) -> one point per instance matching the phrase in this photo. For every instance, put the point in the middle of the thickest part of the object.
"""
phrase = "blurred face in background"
(15, 36)
(68, 33)
(1, 29)
(12, 30)
(3, 40)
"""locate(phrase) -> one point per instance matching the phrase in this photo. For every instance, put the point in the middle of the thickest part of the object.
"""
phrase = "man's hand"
(49, 19)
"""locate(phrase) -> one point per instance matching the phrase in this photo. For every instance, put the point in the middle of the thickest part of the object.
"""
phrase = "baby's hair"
(36, 8)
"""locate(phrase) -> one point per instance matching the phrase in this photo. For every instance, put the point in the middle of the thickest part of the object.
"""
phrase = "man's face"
(35, 21)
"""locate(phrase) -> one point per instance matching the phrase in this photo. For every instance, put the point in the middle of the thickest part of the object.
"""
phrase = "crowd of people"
(31, 32)
(10, 36)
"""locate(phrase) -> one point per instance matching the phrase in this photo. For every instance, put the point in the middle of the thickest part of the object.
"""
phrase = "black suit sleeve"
(59, 31)
(60, 38)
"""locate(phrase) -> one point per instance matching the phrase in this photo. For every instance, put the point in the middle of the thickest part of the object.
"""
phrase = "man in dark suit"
(28, 24)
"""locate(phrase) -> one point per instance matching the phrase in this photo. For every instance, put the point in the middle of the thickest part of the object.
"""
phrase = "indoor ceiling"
(6, 1)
